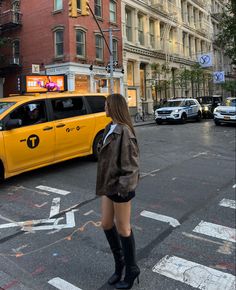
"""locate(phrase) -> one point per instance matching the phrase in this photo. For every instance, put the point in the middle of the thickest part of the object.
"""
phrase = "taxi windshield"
(5, 105)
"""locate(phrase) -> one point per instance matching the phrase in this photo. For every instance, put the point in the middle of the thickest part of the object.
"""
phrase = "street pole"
(110, 30)
(111, 62)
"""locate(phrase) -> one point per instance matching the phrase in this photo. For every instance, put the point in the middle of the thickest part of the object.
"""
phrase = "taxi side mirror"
(13, 123)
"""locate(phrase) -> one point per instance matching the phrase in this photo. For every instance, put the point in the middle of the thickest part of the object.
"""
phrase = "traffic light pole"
(110, 48)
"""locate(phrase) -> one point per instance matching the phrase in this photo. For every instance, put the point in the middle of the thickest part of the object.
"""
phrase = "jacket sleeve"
(129, 164)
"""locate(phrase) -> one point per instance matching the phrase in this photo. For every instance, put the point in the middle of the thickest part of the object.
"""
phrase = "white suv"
(226, 113)
(179, 110)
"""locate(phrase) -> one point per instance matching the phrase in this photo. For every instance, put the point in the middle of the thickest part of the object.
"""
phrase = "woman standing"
(117, 178)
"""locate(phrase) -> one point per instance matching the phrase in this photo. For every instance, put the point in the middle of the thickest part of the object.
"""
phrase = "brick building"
(42, 33)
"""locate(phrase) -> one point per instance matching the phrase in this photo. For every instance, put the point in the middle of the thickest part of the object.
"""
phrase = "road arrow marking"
(54, 190)
(173, 222)
(34, 225)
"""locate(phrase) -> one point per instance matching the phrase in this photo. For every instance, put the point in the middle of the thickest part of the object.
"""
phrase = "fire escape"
(10, 19)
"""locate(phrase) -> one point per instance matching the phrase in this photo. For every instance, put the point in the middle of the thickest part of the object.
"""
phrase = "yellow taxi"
(42, 129)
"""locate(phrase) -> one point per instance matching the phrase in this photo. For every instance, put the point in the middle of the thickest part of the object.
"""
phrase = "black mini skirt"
(119, 198)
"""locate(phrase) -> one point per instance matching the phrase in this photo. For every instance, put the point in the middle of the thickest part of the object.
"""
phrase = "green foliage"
(226, 38)
(230, 86)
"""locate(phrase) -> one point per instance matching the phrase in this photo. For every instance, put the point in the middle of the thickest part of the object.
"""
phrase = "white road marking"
(54, 190)
(217, 231)
(193, 274)
(199, 154)
(28, 223)
(88, 212)
(55, 208)
(62, 284)
(225, 247)
(151, 173)
(228, 203)
(234, 186)
(166, 219)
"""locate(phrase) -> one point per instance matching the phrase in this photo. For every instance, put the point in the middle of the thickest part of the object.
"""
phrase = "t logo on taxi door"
(33, 141)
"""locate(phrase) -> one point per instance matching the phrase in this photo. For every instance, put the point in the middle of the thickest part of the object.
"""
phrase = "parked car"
(43, 129)
(179, 110)
(226, 113)
(208, 104)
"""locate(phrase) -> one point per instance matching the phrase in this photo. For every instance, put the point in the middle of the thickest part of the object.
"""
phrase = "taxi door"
(74, 128)
(31, 145)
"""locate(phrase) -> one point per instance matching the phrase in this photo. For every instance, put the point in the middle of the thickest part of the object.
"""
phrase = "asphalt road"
(183, 217)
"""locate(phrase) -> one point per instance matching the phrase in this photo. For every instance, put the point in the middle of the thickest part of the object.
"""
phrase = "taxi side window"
(30, 113)
(96, 103)
(68, 107)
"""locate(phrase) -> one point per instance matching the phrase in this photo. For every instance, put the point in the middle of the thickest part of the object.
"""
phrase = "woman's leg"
(122, 213)
(132, 271)
(112, 238)
(107, 213)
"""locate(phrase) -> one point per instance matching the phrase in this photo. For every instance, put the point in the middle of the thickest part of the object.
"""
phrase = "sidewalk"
(143, 123)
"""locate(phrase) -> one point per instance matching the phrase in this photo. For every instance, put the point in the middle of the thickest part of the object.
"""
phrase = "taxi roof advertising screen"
(43, 83)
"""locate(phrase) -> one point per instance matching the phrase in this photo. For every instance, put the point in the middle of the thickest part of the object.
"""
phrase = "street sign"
(35, 68)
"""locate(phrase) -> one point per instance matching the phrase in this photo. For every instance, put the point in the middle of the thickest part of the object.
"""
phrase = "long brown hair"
(118, 110)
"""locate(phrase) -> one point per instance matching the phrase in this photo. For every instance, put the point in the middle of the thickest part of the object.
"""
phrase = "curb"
(144, 123)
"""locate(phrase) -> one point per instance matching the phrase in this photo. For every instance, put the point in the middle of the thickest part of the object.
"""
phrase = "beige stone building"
(162, 41)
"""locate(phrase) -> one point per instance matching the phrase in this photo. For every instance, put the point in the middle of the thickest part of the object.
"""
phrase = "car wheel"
(217, 122)
(199, 117)
(159, 122)
(183, 118)
(97, 145)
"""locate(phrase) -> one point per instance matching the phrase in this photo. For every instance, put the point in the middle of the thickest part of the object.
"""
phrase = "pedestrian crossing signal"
(72, 8)
(85, 7)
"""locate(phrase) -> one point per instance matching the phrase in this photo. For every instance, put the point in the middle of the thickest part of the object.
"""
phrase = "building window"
(98, 8)
(130, 73)
(78, 4)
(80, 43)
(99, 47)
(152, 33)
(128, 22)
(59, 50)
(113, 11)
(16, 49)
(58, 5)
(115, 49)
(140, 29)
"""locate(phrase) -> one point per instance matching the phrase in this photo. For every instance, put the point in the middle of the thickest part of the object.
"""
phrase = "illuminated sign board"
(43, 83)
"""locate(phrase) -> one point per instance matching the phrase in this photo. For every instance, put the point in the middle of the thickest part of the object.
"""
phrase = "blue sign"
(205, 60)
(218, 77)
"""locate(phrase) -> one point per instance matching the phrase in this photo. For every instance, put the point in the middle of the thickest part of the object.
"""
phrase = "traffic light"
(73, 8)
(84, 7)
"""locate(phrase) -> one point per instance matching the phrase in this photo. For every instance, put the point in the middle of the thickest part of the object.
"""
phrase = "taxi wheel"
(97, 144)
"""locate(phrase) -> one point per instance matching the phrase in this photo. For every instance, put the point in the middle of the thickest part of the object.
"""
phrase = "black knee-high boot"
(132, 270)
(115, 245)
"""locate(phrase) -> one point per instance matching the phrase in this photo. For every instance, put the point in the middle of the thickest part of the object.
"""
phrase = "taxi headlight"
(205, 108)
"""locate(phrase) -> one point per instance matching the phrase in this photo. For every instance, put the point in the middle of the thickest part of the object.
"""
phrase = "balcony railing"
(10, 61)
(10, 19)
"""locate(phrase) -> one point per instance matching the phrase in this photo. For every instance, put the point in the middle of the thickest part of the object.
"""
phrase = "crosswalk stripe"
(173, 222)
(193, 274)
(216, 231)
(228, 203)
(54, 190)
(62, 284)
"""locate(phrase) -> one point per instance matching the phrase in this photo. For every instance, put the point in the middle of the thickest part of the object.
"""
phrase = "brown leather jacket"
(118, 162)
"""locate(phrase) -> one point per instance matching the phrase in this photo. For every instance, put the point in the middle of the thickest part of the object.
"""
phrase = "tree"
(226, 38)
